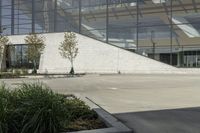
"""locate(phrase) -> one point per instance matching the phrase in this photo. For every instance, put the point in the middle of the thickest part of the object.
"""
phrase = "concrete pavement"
(126, 96)
(163, 121)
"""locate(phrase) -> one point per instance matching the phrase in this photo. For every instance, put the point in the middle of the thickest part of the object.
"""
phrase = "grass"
(7, 75)
(35, 108)
(7, 109)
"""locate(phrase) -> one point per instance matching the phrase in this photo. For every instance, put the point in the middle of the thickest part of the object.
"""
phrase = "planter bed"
(34, 108)
(52, 75)
(113, 125)
(8, 75)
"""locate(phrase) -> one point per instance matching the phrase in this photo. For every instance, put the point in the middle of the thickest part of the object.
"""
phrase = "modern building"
(116, 32)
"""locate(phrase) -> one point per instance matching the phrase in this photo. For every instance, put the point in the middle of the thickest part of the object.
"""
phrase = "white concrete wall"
(94, 57)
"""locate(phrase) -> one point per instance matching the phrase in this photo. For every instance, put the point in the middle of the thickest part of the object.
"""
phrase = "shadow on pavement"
(186, 120)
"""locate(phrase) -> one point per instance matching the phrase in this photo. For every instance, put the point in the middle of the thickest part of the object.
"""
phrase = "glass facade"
(165, 30)
(16, 57)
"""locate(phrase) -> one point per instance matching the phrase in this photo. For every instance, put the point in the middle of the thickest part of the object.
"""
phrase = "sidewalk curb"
(114, 125)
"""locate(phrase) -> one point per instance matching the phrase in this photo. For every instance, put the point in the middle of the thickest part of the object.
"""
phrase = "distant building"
(165, 30)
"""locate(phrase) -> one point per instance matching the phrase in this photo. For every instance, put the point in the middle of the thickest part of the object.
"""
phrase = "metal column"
(107, 21)
(171, 34)
(0, 15)
(137, 26)
(80, 16)
(55, 16)
(33, 16)
(12, 17)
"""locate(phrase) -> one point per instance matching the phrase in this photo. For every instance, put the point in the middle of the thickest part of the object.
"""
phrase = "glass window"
(122, 23)
(93, 18)
(16, 57)
(67, 16)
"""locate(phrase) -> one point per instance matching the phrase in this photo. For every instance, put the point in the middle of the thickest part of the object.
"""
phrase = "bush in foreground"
(34, 108)
(7, 124)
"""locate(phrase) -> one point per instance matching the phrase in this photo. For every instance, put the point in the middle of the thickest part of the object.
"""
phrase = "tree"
(68, 49)
(36, 46)
(3, 42)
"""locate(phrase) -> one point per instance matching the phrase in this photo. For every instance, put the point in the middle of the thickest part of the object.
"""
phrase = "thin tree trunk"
(34, 67)
(72, 63)
(72, 67)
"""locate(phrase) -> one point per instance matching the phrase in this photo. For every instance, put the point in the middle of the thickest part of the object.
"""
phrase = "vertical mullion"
(33, 16)
(80, 15)
(55, 15)
(171, 34)
(182, 65)
(12, 17)
(18, 6)
(21, 56)
(196, 58)
(137, 25)
(107, 21)
(0, 16)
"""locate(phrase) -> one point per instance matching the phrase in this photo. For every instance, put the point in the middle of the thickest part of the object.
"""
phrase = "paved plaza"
(145, 103)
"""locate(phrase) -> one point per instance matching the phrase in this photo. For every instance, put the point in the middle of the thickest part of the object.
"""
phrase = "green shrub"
(6, 75)
(4, 109)
(24, 71)
(16, 71)
(34, 108)
(7, 123)
(43, 110)
(78, 109)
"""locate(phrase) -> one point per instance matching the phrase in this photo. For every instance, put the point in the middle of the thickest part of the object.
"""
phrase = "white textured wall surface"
(94, 57)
